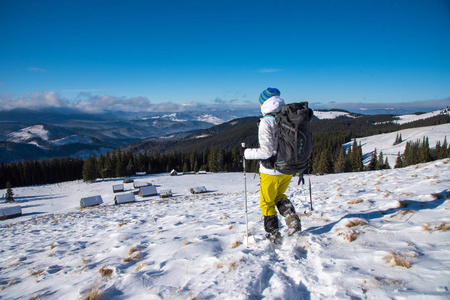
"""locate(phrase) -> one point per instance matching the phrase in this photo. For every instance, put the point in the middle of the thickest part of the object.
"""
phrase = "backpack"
(294, 139)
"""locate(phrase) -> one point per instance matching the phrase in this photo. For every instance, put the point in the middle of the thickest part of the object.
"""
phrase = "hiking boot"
(293, 223)
(274, 237)
(285, 207)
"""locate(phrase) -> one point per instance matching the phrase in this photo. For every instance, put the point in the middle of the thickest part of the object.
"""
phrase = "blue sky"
(100, 54)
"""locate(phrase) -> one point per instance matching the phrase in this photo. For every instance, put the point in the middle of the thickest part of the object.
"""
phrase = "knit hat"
(267, 93)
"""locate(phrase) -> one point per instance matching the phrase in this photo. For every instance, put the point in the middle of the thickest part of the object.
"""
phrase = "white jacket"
(268, 142)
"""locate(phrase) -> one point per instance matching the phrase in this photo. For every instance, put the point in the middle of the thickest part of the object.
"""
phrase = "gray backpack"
(294, 139)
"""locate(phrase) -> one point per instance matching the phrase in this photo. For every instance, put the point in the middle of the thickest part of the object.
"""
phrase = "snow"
(331, 114)
(412, 117)
(28, 133)
(210, 119)
(385, 142)
(193, 246)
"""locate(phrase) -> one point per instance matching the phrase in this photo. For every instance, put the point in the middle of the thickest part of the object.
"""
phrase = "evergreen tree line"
(35, 172)
(419, 152)
(215, 159)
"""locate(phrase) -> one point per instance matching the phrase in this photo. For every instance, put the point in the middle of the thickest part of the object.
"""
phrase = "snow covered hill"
(402, 119)
(332, 114)
(376, 235)
(385, 142)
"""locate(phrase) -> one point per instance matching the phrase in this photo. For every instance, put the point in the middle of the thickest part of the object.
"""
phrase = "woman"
(273, 183)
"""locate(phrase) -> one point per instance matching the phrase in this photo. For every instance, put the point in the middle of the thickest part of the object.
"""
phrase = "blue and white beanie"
(267, 93)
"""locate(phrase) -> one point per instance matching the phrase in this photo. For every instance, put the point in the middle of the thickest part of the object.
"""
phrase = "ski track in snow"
(193, 246)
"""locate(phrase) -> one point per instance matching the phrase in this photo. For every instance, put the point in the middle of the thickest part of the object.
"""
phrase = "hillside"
(377, 235)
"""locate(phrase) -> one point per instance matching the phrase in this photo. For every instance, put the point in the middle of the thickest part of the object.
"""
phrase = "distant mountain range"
(26, 134)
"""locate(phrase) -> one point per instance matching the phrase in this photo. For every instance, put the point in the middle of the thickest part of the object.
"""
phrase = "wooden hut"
(8, 211)
(124, 198)
(147, 191)
(117, 188)
(198, 190)
(91, 201)
(139, 184)
(165, 194)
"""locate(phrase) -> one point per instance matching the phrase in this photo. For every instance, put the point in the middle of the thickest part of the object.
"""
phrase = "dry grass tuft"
(7, 285)
(235, 244)
(134, 257)
(402, 204)
(35, 297)
(234, 265)
(443, 227)
(133, 249)
(355, 201)
(36, 273)
(219, 265)
(53, 246)
(398, 259)
(356, 222)
(92, 294)
(349, 236)
(141, 265)
(106, 272)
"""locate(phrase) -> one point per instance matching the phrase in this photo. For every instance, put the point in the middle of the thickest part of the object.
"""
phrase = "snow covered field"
(385, 142)
(375, 235)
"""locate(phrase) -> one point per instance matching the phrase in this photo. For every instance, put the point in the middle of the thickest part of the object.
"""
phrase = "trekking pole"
(310, 193)
(245, 193)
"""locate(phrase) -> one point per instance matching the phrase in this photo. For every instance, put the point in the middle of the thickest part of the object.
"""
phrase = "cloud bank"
(90, 103)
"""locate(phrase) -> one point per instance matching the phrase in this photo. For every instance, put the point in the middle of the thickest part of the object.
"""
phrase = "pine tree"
(9, 197)
(90, 173)
(373, 161)
(341, 163)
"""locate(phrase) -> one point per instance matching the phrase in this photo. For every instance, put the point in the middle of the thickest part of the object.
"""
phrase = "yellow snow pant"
(272, 190)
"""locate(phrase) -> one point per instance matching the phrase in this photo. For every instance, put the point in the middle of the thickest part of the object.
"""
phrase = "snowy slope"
(402, 119)
(332, 114)
(385, 142)
(192, 246)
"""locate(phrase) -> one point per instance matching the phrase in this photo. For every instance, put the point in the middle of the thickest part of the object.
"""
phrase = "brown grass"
(402, 204)
(36, 273)
(133, 249)
(35, 297)
(134, 257)
(398, 259)
(443, 227)
(349, 236)
(355, 222)
(234, 265)
(106, 272)
(7, 285)
(92, 294)
(141, 265)
(235, 244)
(355, 201)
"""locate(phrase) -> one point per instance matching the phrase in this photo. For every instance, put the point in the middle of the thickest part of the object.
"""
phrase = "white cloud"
(269, 70)
(37, 70)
